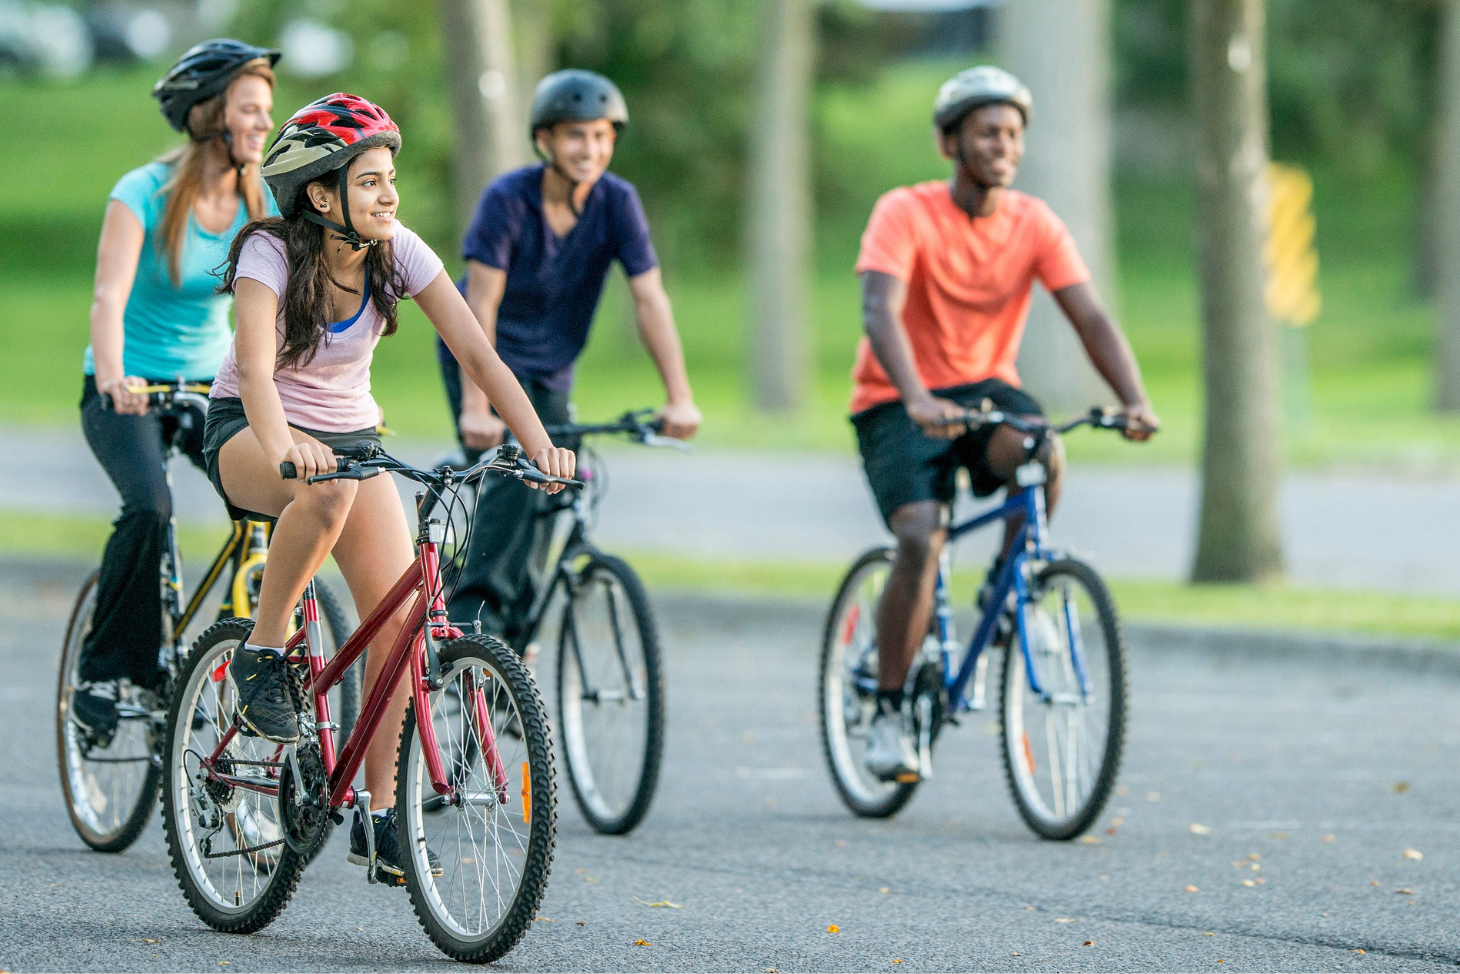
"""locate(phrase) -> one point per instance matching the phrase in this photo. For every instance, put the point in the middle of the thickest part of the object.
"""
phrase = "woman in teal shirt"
(156, 315)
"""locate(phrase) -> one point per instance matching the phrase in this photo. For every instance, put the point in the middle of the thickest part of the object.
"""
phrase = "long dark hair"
(308, 311)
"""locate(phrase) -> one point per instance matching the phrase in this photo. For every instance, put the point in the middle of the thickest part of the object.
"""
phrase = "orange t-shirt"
(968, 283)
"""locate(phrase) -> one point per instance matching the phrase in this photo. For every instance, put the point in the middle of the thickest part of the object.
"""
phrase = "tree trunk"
(779, 224)
(535, 53)
(1061, 49)
(1238, 538)
(481, 84)
(1446, 226)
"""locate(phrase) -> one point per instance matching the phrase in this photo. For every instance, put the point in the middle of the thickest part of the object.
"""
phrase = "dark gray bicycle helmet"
(204, 71)
(974, 88)
(576, 96)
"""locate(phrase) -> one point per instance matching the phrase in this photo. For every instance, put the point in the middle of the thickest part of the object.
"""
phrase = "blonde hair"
(186, 182)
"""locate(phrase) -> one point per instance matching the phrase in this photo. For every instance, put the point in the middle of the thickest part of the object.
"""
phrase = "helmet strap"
(347, 232)
(552, 163)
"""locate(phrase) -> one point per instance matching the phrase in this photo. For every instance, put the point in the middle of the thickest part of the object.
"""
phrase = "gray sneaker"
(890, 750)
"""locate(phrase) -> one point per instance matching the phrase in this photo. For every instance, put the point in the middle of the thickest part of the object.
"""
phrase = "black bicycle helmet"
(576, 96)
(974, 88)
(204, 71)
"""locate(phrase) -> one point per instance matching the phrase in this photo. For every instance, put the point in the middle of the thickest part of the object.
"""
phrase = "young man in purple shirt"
(537, 253)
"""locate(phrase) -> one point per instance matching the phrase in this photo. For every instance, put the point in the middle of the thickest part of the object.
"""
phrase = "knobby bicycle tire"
(898, 794)
(1014, 675)
(135, 822)
(582, 778)
(536, 744)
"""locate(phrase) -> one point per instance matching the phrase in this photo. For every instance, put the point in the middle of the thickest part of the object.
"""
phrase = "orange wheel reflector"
(526, 794)
(219, 670)
(851, 627)
(1028, 751)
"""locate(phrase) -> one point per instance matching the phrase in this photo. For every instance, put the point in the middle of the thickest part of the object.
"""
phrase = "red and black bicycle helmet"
(323, 137)
(204, 71)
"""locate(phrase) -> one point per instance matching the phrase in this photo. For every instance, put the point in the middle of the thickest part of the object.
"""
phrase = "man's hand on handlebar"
(679, 420)
(481, 430)
(1141, 422)
(554, 461)
(125, 402)
(310, 458)
(941, 419)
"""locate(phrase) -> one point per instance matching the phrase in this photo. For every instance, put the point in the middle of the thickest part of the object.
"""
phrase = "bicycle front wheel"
(109, 786)
(849, 689)
(1062, 742)
(610, 695)
(494, 834)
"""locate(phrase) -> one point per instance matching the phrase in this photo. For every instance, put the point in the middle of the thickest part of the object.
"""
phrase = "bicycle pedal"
(386, 878)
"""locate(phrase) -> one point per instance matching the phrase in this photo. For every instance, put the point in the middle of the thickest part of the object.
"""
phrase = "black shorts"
(226, 420)
(905, 465)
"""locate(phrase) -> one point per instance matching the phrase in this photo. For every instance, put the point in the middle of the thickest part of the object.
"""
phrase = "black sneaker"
(263, 696)
(389, 860)
(94, 710)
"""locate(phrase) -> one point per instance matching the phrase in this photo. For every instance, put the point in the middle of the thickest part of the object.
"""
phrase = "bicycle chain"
(241, 852)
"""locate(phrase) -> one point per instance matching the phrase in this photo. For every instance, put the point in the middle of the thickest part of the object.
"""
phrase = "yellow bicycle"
(111, 783)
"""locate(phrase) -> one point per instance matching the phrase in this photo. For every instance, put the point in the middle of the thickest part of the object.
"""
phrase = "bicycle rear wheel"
(227, 848)
(110, 789)
(610, 695)
(495, 835)
(1062, 747)
(849, 689)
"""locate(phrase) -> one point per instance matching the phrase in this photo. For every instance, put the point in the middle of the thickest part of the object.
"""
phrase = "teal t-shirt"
(173, 331)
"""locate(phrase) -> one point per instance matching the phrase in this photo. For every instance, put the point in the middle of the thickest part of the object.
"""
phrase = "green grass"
(81, 538)
(1263, 607)
(1369, 352)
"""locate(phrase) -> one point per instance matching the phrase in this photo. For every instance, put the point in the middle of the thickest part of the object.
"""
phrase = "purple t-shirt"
(553, 283)
(332, 392)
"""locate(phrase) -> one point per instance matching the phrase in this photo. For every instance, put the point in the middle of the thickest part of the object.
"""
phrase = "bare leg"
(373, 552)
(364, 524)
(902, 616)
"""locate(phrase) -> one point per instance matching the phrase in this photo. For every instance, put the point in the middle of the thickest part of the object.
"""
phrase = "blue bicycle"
(1063, 683)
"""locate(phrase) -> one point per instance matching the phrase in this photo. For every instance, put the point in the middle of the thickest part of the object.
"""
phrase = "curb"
(1219, 644)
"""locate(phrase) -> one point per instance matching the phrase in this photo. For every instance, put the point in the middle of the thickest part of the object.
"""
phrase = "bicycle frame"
(1029, 543)
(425, 625)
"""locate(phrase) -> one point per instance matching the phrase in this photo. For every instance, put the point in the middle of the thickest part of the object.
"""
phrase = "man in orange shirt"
(947, 272)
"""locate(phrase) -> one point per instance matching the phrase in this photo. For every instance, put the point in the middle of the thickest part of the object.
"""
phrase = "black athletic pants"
(126, 629)
(508, 552)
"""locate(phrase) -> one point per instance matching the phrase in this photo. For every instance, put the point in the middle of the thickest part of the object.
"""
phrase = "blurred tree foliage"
(1350, 80)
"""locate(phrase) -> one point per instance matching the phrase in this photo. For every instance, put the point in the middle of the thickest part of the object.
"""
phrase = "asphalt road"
(1321, 778)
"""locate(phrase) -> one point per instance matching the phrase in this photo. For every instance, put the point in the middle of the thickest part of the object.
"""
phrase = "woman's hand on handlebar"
(124, 401)
(555, 461)
(939, 418)
(310, 458)
(1141, 422)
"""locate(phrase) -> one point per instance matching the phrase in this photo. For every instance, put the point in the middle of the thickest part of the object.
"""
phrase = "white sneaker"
(890, 751)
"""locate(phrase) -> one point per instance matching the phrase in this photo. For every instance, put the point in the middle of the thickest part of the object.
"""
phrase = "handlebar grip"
(288, 471)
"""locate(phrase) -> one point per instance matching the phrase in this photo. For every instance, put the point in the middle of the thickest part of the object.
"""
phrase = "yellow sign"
(1290, 255)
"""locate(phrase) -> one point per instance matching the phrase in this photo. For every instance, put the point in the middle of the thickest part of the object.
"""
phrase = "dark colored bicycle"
(1063, 685)
(111, 783)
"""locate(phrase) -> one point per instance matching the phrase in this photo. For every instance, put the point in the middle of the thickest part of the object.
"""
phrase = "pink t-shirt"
(332, 392)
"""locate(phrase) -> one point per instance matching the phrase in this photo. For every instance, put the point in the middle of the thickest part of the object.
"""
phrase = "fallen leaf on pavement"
(1414, 854)
(1153, 796)
(642, 943)
(1089, 943)
(1064, 919)
(1373, 882)
(1091, 839)
(1357, 950)
(896, 961)
(1248, 882)
(582, 923)
(1329, 837)
(1199, 829)
(833, 928)
(1400, 787)
(542, 920)
(1253, 856)
(1404, 892)
(149, 940)
(1278, 835)
(886, 889)
(1117, 821)
(1110, 831)
(1192, 889)
(1208, 934)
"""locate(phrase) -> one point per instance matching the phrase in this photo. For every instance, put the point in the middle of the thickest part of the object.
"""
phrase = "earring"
(324, 207)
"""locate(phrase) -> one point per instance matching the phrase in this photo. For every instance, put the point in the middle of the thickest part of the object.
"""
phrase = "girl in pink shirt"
(314, 291)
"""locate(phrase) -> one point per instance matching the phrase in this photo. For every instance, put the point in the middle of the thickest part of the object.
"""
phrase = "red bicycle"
(474, 782)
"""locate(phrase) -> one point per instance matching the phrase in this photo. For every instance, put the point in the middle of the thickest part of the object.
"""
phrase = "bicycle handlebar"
(636, 424)
(166, 394)
(365, 460)
(1099, 417)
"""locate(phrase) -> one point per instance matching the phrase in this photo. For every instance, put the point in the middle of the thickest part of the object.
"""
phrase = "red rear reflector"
(851, 626)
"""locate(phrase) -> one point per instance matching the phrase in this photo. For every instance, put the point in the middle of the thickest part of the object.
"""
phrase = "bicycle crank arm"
(362, 808)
